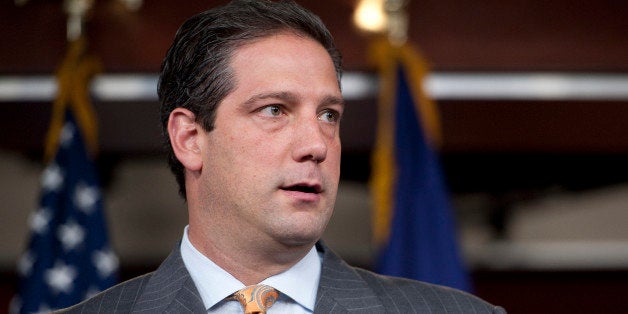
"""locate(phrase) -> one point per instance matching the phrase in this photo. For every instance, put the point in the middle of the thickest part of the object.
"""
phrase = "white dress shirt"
(297, 285)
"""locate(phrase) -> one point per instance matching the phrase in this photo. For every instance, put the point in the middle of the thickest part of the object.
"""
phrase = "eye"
(330, 116)
(271, 111)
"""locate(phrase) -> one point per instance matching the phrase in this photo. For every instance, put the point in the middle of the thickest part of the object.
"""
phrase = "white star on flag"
(106, 262)
(92, 291)
(60, 278)
(67, 134)
(15, 305)
(71, 235)
(25, 263)
(43, 309)
(39, 220)
(52, 179)
(85, 197)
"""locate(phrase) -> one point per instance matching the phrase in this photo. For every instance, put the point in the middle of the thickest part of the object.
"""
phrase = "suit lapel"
(341, 289)
(170, 289)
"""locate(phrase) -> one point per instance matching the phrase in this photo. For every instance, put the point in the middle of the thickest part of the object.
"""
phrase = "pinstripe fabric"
(342, 289)
(169, 289)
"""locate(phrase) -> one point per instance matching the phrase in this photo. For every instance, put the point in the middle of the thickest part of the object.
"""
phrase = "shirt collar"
(300, 282)
(213, 283)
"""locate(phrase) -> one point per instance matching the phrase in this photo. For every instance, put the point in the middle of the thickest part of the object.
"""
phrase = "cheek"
(334, 154)
(253, 153)
(260, 143)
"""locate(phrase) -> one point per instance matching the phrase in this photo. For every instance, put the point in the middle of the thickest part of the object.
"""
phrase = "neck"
(250, 263)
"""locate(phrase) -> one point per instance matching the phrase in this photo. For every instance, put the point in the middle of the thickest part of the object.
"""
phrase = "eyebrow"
(285, 96)
(293, 98)
(333, 100)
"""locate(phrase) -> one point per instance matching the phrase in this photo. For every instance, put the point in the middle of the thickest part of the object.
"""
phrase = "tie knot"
(256, 299)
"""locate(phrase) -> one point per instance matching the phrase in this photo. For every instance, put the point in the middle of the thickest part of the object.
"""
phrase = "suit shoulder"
(119, 298)
(412, 296)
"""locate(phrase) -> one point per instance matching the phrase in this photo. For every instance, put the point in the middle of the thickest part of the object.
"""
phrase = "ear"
(184, 135)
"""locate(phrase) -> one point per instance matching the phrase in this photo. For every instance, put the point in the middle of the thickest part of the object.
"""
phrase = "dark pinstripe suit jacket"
(342, 289)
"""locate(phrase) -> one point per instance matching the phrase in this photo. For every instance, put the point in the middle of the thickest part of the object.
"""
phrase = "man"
(251, 106)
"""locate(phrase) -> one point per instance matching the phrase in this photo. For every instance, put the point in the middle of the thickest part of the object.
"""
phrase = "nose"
(309, 142)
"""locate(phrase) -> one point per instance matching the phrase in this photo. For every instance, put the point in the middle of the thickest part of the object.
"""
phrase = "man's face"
(271, 165)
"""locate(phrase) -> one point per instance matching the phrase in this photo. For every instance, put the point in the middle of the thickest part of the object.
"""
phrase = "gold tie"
(256, 299)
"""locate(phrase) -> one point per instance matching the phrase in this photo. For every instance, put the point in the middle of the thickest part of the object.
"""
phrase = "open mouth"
(315, 189)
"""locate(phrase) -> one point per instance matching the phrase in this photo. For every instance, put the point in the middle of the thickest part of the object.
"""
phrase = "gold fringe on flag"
(73, 85)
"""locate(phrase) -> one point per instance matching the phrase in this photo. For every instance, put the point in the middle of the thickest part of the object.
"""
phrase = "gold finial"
(77, 11)
(397, 21)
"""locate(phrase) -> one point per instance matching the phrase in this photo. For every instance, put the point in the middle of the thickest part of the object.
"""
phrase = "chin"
(300, 239)
(295, 236)
(300, 229)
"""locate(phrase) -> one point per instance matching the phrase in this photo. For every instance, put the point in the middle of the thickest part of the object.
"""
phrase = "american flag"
(68, 257)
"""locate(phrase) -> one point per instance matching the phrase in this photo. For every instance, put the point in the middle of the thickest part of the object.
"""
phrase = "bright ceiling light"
(370, 16)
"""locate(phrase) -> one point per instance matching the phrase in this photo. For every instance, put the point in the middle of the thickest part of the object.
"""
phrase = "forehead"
(277, 43)
(284, 61)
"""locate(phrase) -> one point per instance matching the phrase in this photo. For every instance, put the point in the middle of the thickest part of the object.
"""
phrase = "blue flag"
(419, 239)
(68, 257)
